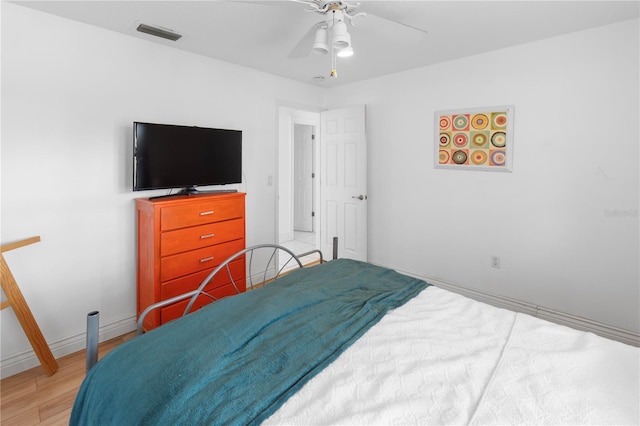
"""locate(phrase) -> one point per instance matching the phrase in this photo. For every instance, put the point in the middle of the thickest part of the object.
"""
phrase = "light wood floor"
(33, 398)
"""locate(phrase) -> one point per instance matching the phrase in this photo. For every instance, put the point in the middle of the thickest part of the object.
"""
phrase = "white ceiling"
(261, 34)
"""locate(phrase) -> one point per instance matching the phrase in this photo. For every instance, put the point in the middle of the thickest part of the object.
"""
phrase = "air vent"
(158, 32)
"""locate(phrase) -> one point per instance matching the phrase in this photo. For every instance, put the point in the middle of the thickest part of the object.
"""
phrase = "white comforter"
(446, 359)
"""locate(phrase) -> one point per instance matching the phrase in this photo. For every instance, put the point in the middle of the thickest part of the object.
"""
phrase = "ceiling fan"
(332, 35)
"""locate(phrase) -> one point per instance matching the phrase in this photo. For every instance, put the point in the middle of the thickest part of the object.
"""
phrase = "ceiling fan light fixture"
(341, 37)
(347, 52)
(320, 42)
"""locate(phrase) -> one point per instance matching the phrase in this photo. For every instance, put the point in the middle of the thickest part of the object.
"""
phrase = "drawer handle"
(206, 259)
(204, 237)
(206, 213)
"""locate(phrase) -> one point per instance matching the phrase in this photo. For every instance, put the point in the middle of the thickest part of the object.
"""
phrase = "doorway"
(304, 223)
(298, 191)
(338, 185)
(303, 176)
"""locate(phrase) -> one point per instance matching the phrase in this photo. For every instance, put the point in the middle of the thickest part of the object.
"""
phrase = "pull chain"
(334, 71)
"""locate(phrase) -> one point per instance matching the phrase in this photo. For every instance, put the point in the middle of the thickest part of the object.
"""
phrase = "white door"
(343, 193)
(303, 178)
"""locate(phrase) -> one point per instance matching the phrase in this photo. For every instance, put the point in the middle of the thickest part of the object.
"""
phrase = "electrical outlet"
(495, 262)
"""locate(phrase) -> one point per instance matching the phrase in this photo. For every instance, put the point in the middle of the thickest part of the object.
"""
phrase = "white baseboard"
(26, 360)
(610, 332)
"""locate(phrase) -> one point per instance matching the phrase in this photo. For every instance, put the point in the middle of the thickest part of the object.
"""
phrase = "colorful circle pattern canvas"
(478, 139)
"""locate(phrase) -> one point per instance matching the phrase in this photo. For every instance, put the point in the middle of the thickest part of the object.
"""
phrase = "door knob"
(360, 197)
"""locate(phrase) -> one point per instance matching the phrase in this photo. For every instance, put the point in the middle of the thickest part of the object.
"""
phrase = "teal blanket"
(237, 361)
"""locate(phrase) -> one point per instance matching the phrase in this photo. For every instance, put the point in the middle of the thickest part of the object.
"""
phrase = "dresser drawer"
(176, 310)
(191, 282)
(186, 239)
(179, 265)
(199, 213)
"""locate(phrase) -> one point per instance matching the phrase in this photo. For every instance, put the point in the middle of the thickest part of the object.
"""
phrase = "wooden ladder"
(15, 299)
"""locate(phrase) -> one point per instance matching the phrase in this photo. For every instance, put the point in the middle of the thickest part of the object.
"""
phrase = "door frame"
(287, 117)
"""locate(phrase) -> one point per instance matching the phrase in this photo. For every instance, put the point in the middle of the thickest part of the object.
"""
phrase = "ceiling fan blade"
(389, 29)
(302, 49)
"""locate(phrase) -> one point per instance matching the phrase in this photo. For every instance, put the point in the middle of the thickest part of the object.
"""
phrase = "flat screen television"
(168, 156)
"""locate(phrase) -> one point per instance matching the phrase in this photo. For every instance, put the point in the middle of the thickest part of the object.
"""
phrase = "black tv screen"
(169, 156)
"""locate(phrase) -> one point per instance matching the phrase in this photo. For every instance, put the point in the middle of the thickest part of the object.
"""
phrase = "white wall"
(70, 93)
(565, 222)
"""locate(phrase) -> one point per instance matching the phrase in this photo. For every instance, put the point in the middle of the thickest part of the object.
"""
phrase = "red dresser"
(180, 241)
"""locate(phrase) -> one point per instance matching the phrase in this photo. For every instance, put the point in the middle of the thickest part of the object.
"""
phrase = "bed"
(347, 342)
